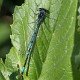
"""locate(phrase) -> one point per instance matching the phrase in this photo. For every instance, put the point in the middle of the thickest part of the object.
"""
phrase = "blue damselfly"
(41, 17)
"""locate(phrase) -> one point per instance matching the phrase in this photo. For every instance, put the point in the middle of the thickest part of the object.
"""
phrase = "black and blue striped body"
(41, 16)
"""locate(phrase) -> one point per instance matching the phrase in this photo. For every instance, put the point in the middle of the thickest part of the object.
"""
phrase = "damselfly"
(41, 17)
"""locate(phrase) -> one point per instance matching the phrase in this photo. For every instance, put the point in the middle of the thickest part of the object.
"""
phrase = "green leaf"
(79, 19)
(2, 77)
(3, 71)
(12, 60)
(1, 65)
(58, 64)
(54, 44)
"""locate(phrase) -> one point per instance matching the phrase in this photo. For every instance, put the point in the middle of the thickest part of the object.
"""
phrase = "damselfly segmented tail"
(41, 17)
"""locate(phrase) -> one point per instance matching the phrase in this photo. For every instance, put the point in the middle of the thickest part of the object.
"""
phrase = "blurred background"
(6, 19)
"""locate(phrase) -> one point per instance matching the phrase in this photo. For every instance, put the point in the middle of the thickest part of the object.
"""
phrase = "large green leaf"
(54, 44)
(58, 64)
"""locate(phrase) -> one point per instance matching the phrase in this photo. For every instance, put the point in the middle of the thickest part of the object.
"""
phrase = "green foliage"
(53, 52)
(79, 19)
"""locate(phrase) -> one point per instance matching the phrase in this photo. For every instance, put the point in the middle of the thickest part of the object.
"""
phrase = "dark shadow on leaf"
(76, 50)
(16, 76)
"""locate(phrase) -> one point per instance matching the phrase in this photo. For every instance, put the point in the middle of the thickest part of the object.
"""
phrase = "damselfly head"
(43, 9)
(42, 13)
